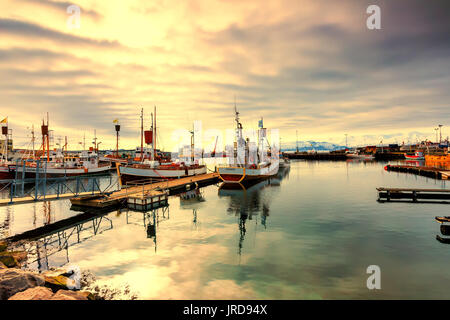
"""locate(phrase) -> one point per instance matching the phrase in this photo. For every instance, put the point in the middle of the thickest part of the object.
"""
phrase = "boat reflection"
(192, 198)
(149, 220)
(445, 229)
(249, 200)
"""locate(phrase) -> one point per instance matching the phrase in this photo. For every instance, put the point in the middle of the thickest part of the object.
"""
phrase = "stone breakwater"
(18, 284)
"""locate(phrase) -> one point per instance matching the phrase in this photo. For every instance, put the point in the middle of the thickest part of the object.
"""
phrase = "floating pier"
(145, 189)
(150, 200)
(49, 197)
(431, 172)
(414, 195)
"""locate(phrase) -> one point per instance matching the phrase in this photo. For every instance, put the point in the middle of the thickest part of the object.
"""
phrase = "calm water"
(308, 235)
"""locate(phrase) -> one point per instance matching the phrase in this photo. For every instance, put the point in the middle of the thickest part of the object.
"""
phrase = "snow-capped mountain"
(310, 145)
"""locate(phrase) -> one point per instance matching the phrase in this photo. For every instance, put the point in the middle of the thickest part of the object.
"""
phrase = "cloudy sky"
(305, 65)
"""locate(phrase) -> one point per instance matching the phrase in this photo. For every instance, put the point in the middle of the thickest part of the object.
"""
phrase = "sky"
(307, 66)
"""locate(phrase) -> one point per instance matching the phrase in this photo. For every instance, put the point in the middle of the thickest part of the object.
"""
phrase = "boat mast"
(45, 139)
(192, 146)
(5, 132)
(142, 134)
(154, 138)
(32, 139)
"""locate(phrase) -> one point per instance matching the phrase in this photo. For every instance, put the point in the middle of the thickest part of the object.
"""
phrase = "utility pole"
(440, 133)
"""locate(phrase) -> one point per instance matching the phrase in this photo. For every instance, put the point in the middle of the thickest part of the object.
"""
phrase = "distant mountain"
(310, 145)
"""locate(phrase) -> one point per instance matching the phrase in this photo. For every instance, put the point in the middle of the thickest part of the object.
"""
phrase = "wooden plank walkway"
(48, 197)
(116, 197)
(416, 195)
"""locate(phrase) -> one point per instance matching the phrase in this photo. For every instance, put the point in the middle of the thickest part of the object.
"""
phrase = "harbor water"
(309, 233)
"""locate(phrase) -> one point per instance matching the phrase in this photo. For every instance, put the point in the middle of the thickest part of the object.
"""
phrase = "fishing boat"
(151, 165)
(418, 155)
(7, 168)
(58, 163)
(359, 155)
(249, 165)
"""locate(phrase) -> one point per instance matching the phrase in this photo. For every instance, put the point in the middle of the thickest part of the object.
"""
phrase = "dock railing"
(41, 186)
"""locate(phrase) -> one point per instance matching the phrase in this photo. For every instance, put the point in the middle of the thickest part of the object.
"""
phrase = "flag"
(4, 120)
(116, 121)
(260, 123)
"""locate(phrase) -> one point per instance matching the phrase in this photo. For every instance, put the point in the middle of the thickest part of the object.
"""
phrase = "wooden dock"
(431, 172)
(48, 197)
(118, 197)
(414, 195)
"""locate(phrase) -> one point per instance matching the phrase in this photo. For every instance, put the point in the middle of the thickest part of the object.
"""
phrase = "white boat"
(58, 165)
(155, 170)
(418, 155)
(7, 168)
(358, 155)
(154, 166)
(247, 166)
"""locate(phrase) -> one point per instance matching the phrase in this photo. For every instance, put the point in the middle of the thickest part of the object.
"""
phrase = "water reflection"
(149, 220)
(51, 249)
(445, 231)
(248, 200)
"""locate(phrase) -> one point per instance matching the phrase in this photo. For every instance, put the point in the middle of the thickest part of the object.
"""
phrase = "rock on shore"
(36, 293)
(13, 281)
(43, 293)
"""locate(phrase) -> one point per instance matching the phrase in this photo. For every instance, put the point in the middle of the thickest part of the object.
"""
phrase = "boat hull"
(7, 172)
(415, 158)
(241, 174)
(360, 156)
(130, 173)
(30, 172)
